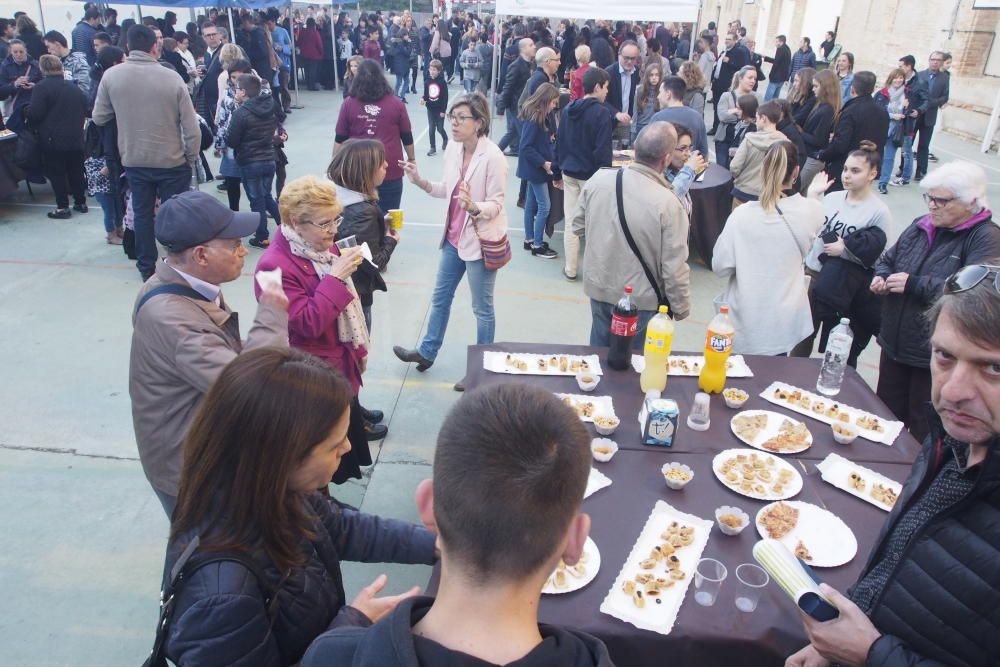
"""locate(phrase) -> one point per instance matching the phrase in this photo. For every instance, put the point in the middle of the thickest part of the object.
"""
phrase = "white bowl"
(676, 484)
(733, 402)
(587, 386)
(606, 430)
(844, 439)
(728, 530)
(603, 443)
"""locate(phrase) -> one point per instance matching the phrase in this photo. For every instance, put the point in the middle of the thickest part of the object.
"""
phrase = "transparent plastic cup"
(347, 242)
(708, 578)
(753, 580)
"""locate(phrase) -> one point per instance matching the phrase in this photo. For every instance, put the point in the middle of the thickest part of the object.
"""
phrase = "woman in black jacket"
(801, 95)
(57, 111)
(819, 123)
(28, 33)
(958, 231)
(271, 431)
(18, 75)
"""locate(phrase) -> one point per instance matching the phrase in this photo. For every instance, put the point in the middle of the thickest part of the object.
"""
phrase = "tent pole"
(333, 43)
(497, 55)
(232, 26)
(694, 35)
(295, 67)
(138, 18)
(41, 16)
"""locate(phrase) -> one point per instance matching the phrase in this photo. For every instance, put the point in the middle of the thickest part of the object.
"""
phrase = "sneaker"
(61, 214)
(81, 208)
(222, 187)
(882, 189)
(431, 152)
(931, 157)
(459, 386)
(259, 244)
(568, 277)
(544, 252)
(527, 245)
(898, 182)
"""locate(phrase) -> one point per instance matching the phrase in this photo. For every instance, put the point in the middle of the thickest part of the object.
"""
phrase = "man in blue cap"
(184, 333)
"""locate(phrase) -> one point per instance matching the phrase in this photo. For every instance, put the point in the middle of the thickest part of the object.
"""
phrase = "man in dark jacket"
(860, 119)
(930, 589)
(804, 57)
(517, 77)
(936, 84)
(254, 42)
(498, 555)
(83, 35)
(781, 65)
(734, 58)
(583, 145)
(623, 83)
(251, 136)
(207, 95)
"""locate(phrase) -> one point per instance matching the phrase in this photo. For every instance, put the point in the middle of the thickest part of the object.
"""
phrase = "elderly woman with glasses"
(325, 317)
(957, 231)
(475, 175)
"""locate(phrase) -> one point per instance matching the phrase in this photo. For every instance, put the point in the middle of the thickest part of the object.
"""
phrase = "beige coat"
(658, 223)
(179, 347)
(749, 158)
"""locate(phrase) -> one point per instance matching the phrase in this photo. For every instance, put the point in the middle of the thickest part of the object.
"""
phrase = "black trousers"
(64, 169)
(925, 134)
(906, 391)
(312, 72)
(360, 454)
(435, 123)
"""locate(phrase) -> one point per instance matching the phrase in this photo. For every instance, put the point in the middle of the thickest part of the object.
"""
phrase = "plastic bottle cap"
(628, 289)
(664, 309)
(846, 321)
(724, 309)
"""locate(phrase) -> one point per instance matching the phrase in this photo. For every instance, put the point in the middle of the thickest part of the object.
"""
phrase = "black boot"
(371, 416)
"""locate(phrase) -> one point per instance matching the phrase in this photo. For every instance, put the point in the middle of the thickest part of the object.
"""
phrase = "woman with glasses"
(325, 316)
(475, 176)
(957, 231)
(685, 164)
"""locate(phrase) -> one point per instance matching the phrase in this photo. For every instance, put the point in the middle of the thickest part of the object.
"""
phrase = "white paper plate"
(690, 365)
(595, 482)
(574, 583)
(603, 405)
(792, 488)
(836, 470)
(774, 421)
(829, 541)
(496, 362)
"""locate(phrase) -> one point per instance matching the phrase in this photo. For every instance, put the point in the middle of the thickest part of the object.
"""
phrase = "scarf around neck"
(351, 327)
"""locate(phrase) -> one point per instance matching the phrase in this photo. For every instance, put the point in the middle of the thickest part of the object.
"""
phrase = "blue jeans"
(536, 212)
(481, 282)
(512, 137)
(401, 84)
(600, 325)
(773, 90)
(890, 157)
(107, 202)
(469, 85)
(722, 154)
(147, 184)
(257, 180)
(390, 194)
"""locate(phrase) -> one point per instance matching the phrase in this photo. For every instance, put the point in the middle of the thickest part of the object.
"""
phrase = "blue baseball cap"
(194, 217)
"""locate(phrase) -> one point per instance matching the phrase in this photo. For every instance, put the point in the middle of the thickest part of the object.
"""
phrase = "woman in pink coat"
(324, 313)
(475, 174)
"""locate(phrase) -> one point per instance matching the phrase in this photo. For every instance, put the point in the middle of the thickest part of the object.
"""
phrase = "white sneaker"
(899, 182)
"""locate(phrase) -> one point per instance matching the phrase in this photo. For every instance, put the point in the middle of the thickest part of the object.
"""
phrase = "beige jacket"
(157, 125)
(179, 347)
(749, 158)
(658, 223)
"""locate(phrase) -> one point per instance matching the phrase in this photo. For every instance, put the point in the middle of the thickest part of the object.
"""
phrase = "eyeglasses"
(938, 202)
(327, 226)
(630, 59)
(459, 118)
(683, 149)
(968, 277)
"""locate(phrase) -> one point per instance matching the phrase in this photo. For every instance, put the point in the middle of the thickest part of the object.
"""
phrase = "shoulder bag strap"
(792, 232)
(170, 288)
(661, 299)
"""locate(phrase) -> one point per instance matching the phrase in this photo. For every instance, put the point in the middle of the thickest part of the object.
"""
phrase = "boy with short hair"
(471, 64)
(511, 441)
(436, 100)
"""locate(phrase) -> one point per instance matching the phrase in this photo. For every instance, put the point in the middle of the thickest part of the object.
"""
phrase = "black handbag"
(897, 134)
(28, 151)
(187, 564)
(661, 298)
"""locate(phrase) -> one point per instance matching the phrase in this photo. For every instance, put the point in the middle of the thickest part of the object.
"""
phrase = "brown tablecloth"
(718, 635)
(711, 204)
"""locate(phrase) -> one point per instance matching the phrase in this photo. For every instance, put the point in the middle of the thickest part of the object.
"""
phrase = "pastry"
(801, 552)
(553, 362)
(542, 366)
(856, 481)
(779, 520)
(884, 494)
(748, 427)
(731, 520)
(563, 364)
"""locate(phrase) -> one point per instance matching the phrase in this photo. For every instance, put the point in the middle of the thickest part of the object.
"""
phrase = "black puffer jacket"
(518, 74)
(941, 605)
(859, 120)
(364, 220)
(904, 335)
(816, 130)
(57, 111)
(220, 617)
(251, 130)
(10, 71)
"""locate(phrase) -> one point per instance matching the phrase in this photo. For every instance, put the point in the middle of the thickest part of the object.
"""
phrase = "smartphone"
(813, 604)
(830, 237)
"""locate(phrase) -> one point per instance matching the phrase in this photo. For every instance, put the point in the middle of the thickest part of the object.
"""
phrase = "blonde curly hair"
(307, 196)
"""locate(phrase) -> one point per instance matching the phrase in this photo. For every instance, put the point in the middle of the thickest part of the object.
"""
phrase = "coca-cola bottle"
(624, 322)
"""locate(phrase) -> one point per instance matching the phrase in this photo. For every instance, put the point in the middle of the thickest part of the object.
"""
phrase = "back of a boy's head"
(510, 471)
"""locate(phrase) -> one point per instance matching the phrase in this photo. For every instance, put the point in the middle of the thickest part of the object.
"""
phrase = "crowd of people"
(127, 112)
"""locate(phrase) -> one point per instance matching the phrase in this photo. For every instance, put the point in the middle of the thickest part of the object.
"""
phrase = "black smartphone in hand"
(830, 237)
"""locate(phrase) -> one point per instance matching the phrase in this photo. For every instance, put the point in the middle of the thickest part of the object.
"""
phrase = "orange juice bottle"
(718, 345)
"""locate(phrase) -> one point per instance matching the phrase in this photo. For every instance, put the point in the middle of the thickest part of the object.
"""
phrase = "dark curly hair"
(370, 84)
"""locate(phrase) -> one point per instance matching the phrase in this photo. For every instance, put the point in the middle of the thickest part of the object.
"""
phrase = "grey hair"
(582, 53)
(655, 142)
(544, 55)
(965, 180)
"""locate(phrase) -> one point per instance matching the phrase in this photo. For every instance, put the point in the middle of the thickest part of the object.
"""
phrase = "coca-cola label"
(718, 342)
(624, 326)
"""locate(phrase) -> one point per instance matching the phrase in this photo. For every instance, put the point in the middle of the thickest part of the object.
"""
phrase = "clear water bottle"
(838, 349)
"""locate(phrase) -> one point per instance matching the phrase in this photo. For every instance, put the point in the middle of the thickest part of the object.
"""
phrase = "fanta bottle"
(659, 339)
(718, 345)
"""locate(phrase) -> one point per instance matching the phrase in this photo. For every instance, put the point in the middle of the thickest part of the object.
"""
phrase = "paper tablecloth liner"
(835, 470)
(496, 362)
(659, 618)
(887, 437)
(738, 367)
(597, 481)
(603, 405)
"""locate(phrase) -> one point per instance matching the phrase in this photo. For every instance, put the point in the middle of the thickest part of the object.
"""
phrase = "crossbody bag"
(803, 253)
(661, 298)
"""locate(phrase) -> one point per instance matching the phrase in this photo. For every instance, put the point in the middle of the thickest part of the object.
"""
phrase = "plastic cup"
(348, 242)
(396, 218)
(752, 580)
(708, 578)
